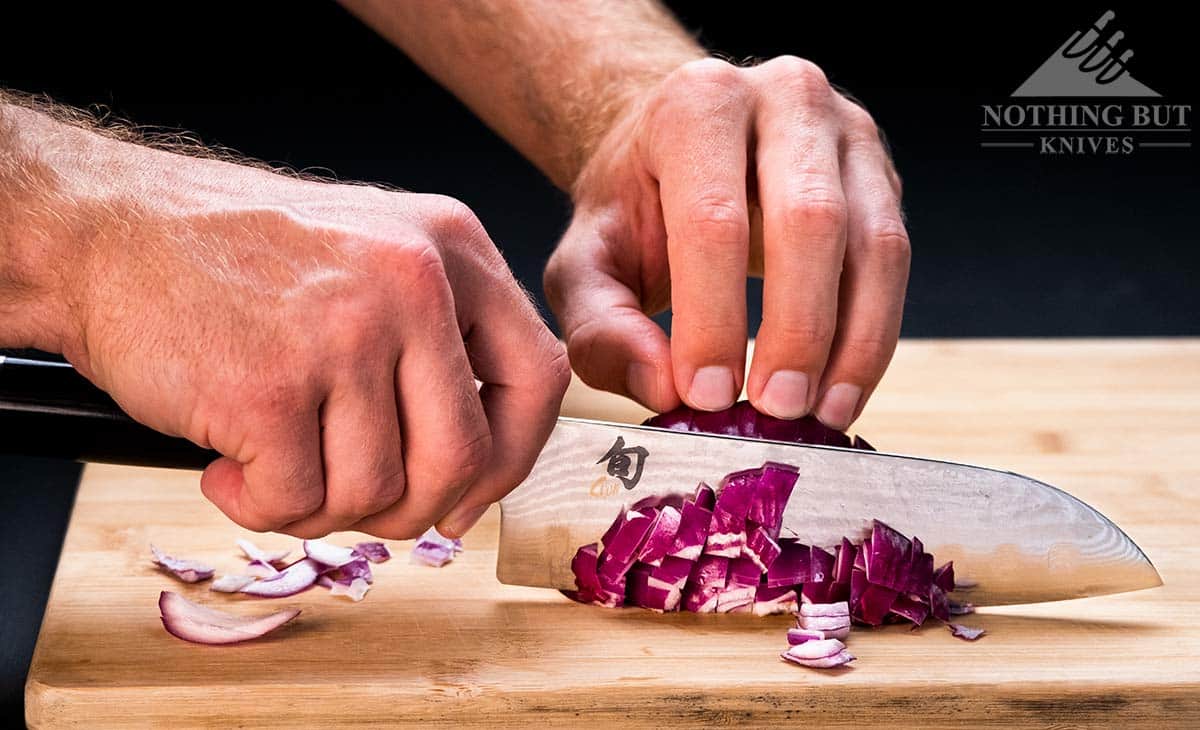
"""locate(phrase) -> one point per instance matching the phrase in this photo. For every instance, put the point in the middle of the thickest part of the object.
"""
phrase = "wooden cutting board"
(1115, 422)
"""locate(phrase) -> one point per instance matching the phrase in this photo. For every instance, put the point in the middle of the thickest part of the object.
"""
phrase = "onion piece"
(839, 609)
(969, 633)
(961, 609)
(355, 569)
(259, 569)
(377, 552)
(768, 601)
(799, 636)
(792, 567)
(621, 551)
(355, 590)
(694, 522)
(328, 554)
(299, 576)
(819, 653)
(842, 658)
(188, 571)
(434, 550)
(193, 622)
(661, 536)
(254, 552)
(824, 623)
(231, 583)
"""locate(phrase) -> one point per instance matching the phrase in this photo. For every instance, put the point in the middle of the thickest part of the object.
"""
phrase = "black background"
(1006, 242)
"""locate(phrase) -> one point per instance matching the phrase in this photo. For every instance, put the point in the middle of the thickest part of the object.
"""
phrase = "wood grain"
(1114, 422)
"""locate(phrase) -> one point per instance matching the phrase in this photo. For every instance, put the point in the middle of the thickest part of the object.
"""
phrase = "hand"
(324, 338)
(717, 173)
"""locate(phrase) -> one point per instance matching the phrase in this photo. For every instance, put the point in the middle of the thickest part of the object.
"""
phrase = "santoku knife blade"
(1016, 539)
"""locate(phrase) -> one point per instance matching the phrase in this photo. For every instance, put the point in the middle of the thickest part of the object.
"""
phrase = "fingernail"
(786, 394)
(712, 388)
(836, 409)
(642, 381)
(467, 520)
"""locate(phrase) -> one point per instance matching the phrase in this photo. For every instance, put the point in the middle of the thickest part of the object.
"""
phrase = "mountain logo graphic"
(1093, 62)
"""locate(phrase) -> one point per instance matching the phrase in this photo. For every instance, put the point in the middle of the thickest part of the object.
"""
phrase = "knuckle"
(719, 220)
(889, 241)
(468, 461)
(454, 219)
(864, 356)
(821, 212)
(860, 122)
(558, 370)
(801, 74)
(708, 73)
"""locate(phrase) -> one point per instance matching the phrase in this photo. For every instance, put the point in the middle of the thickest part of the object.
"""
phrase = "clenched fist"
(326, 339)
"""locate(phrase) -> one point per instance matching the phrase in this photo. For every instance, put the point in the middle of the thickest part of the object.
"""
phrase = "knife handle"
(49, 409)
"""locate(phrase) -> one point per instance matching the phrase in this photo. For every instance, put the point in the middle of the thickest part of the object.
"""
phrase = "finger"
(524, 371)
(364, 468)
(699, 157)
(612, 344)
(446, 440)
(804, 236)
(273, 480)
(873, 284)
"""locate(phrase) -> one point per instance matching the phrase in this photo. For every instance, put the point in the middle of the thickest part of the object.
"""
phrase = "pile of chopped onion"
(721, 551)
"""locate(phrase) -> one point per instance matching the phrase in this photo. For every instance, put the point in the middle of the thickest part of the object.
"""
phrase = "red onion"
(253, 552)
(434, 550)
(356, 589)
(377, 552)
(297, 577)
(742, 420)
(193, 622)
(231, 583)
(820, 653)
(188, 571)
(324, 553)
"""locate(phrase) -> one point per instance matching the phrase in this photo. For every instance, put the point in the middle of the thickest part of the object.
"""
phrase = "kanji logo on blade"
(622, 459)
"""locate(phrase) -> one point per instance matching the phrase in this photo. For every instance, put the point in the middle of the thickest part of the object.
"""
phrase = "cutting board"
(1115, 422)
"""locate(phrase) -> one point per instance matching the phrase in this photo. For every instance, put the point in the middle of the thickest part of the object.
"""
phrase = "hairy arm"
(551, 77)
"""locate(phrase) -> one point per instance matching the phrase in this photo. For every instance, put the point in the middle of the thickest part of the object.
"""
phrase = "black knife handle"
(48, 409)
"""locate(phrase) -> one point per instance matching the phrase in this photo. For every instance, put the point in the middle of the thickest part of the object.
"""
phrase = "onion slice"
(188, 571)
(198, 624)
(298, 576)
(231, 583)
(328, 554)
(355, 590)
(254, 552)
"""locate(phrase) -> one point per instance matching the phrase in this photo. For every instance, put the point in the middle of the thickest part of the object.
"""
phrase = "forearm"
(43, 230)
(549, 76)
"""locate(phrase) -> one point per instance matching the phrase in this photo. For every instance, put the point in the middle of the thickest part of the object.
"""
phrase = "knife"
(1013, 539)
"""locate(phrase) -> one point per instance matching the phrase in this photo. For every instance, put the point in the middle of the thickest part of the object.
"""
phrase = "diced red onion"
(761, 549)
(736, 599)
(297, 577)
(961, 609)
(837, 660)
(743, 572)
(188, 571)
(359, 568)
(705, 497)
(193, 622)
(841, 608)
(824, 623)
(792, 567)
(661, 536)
(768, 601)
(621, 552)
(377, 552)
(254, 552)
(694, 522)
(966, 632)
(434, 550)
(356, 589)
(913, 609)
(819, 653)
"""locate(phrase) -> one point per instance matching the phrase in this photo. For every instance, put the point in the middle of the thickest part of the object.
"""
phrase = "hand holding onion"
(716, 173)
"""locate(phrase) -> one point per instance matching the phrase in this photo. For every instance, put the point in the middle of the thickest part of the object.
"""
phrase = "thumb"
(612, 344)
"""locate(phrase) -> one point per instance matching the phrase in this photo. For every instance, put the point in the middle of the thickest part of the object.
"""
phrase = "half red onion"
(193, 622)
